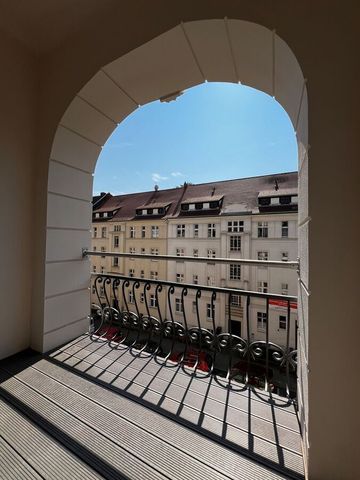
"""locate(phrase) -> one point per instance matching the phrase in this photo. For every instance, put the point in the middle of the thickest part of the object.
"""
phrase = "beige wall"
(17, 130)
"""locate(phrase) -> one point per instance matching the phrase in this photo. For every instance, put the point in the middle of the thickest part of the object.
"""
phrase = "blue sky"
(215, 131)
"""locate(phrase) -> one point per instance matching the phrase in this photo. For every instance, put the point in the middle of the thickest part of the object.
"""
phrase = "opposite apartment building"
(250, 218)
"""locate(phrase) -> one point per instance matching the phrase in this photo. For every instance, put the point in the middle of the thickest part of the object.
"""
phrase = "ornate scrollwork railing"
(184, 325)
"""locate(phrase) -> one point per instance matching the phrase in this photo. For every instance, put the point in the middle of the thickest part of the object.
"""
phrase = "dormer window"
(185, 206)
(285, 200)
(150, 211)
(263, 201)
(161, 211)
(199, 206)
(139, 211)
(214, 204)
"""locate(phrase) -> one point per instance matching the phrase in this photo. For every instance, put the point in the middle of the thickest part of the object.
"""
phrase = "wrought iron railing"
(192, 327)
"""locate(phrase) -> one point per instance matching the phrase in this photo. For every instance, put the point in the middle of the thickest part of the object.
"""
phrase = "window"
(154, 231)
(199, 206)
(180, 230)
(210, 281)
(116, 241)
(94, 268)
(211, 253)
(115, 261)
(102, 269)
(94, 249)
(132, 250)
(285, 200)
(235, 243)
(235, 271)
(284, 256)
(195, 279)
(262, 286)
(214, 204)
(131, 297)
(235, 300)
(236, 226)
(117, 228)
(284, 289)
(103, 232)
(263, 255)
(211, 230)
(132, 232)
(142, 297)
(180, 252)
(153, 301)
(193, 307)
(142, 273)
(93, 289)
(95, 232)
(282, 322)
(284, 229)
(142, 251)
(196, 230)
(263, 201)
(262, 229)
(154, 251)
(143, 231)
(179, 277)
(103, 250)
(153, 275)
(131, 272)
(210, 311)
(261, 321)
(195, 252)
(178, 305)
(102, 291)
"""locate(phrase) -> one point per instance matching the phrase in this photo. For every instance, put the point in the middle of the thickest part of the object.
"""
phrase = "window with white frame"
(131, 272)
(102, 269)
(103, 251)
(154, 231)
(131, 297)
(116, 241)
(153, 275)
(94, 268)
(263, 255)
(195, 279)
(115, 261)
(180, 252)
(142, 297)
(103, 232)
(263, 229)
(154, 251)
(284, 229)
(262, 286)
(235, 243)
(178, 305)
(284, 256)
(153, 301)
(284, 289)
(211, 230)
(143, 231)
(195, 252)
(179, 277)
(235, 300)
(95, 232)
(211, 253)
(132, 232)
(210, 311)
(235, 271)
(142, 274)
(180, 230)
(210, 281)
(282, 322)
(261, 321)
(117, 228)
(132, 250)
(236, 226)
(196, 230)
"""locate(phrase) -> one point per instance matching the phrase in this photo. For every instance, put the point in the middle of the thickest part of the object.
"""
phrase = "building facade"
(253, 218)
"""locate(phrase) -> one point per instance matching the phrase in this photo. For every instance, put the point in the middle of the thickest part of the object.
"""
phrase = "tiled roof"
(239, 196)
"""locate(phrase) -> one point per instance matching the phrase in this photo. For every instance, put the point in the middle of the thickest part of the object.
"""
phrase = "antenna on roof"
(213, 191)
(276, 185)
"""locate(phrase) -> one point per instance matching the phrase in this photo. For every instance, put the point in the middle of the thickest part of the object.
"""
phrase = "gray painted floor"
(90, 411)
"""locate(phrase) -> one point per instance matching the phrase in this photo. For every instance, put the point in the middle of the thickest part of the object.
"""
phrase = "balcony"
(157, 389)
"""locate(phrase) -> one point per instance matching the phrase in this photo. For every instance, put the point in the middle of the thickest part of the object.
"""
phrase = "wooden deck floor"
(90, 411)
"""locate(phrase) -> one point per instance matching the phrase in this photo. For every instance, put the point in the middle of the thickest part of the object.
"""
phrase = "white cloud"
(156, 177)
(177, 174)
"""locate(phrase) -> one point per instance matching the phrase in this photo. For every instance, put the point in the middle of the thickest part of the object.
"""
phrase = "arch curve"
(223, 50)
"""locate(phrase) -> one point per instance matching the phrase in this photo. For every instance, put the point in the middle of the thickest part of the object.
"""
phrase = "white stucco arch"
(209, 50)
